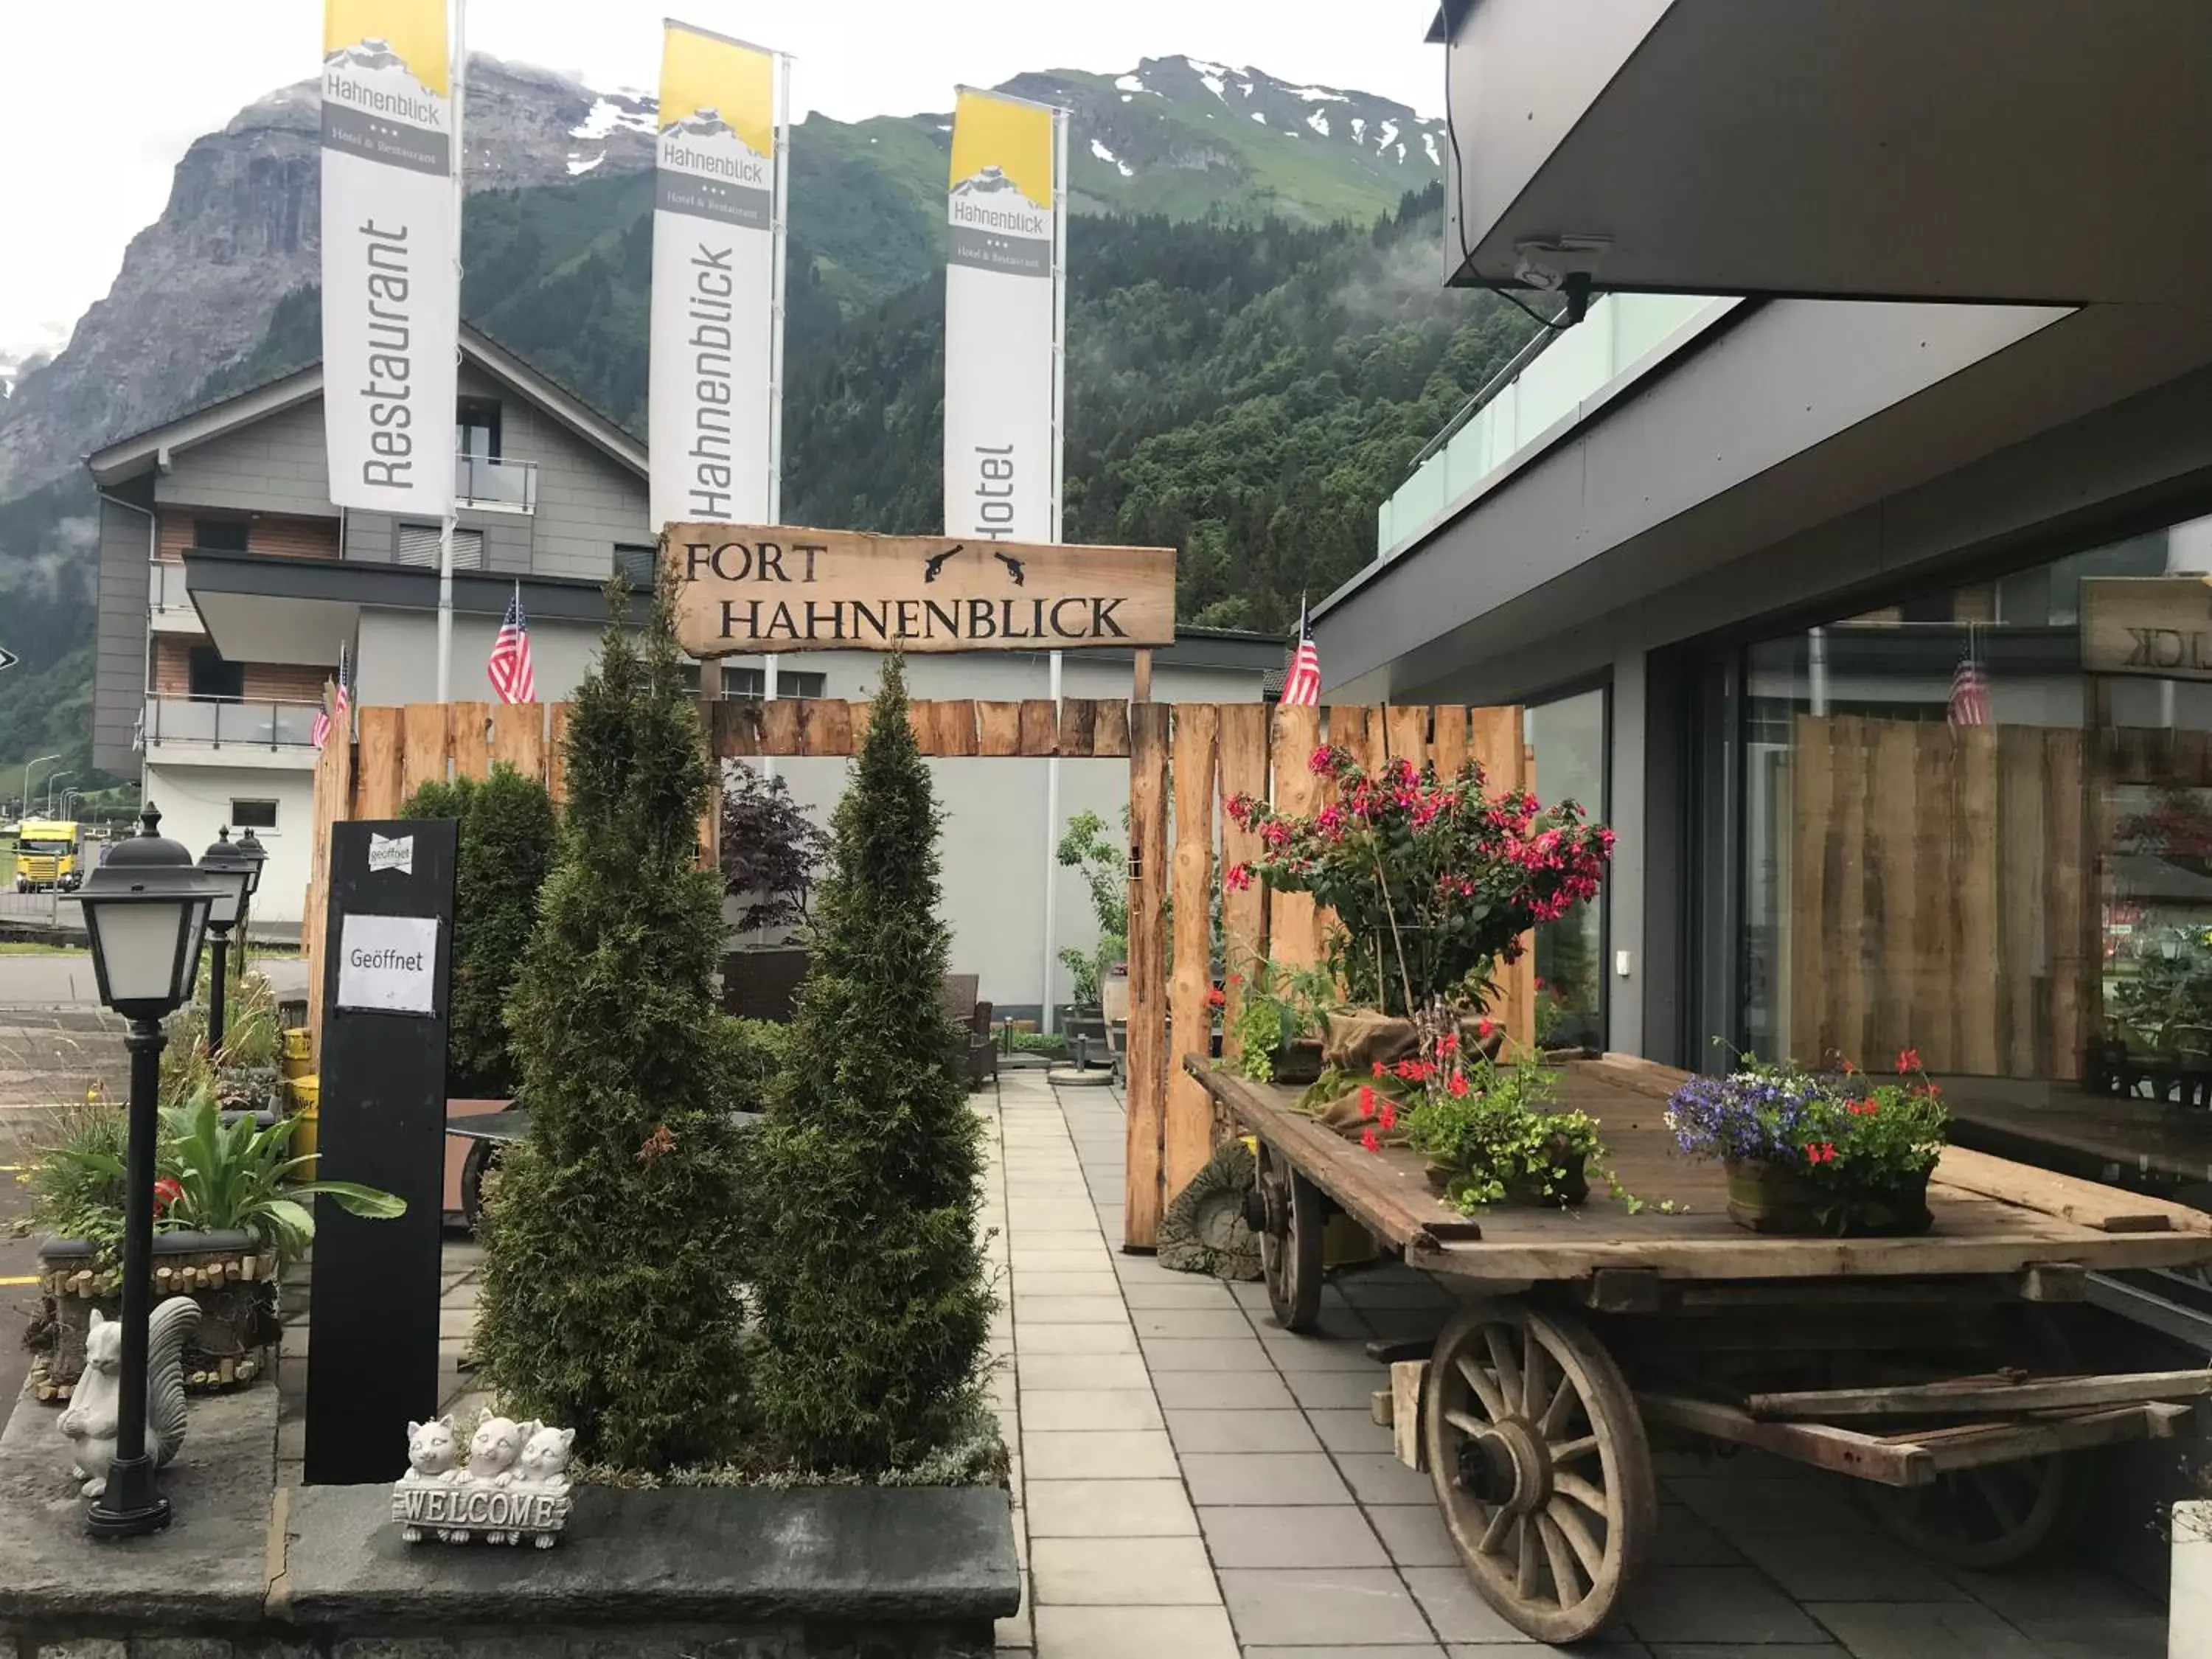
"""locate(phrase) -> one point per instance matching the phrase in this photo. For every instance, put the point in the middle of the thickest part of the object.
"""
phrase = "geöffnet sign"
(743, 589)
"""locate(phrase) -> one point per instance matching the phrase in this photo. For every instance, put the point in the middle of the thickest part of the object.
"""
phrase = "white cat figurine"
(91, 1420)
(493, 1448)
(545, 1454)
(432, 1450)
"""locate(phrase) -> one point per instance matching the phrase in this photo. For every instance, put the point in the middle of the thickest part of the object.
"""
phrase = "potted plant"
(229, 1219)
(1433, 883)
(1279, 1015)
(1486, 1129)
(1104, 866)
(1817, 1153)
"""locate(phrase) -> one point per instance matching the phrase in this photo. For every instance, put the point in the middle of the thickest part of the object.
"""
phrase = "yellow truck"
(48, 854)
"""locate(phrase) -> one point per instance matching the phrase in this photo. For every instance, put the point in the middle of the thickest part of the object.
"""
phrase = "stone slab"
(823, 1555)
(206, 1568)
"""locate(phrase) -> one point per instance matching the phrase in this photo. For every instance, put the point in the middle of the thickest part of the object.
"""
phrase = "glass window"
(1567, 738)
(253, 815)
(475, 421)
(220, 535)
(753, 682)
(634, 564)
(1978, 824)
(211, 677)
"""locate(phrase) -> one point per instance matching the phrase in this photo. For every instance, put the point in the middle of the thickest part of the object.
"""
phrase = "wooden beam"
(1040, 727)
(779, 726)
(1843, 1450)
(1188, 1139)
(1972, 1395)
(1243, 911)
(2087, 1203)
(1109, 733)
(998, 728)
(1140, 682)
(1078, 720)
(1147, 1095)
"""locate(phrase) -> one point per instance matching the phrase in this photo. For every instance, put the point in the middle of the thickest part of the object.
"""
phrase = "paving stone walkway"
(1192, 1482)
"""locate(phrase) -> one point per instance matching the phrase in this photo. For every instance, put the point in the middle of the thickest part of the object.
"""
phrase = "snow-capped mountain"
(370, 55)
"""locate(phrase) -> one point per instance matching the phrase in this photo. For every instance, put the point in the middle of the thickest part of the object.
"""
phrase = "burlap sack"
(1356, 1039)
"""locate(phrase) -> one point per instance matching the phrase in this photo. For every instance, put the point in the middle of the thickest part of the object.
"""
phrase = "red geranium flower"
(1216, 998)
(1820, 1152)
(1366, 1100)
(1908, 1060)
(1367, 1139)
(1390, 1118)
(166, 1191)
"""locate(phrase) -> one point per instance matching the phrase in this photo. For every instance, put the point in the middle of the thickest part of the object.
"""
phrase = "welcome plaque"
(749, 589)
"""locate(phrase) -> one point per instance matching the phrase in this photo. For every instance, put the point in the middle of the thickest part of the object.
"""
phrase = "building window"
(212, 679)
(475, 421)
(634, 564)
(1569, 741)
(752, 682)
(1978, 824)
(418, 545)
(256, 815)
(220, 535)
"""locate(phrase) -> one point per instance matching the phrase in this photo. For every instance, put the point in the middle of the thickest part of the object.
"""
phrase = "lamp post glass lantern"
(233, 872)
(256, 855)
(146, 911)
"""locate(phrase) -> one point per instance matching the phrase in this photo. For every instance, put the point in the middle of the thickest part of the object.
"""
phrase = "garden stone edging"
(830, 1572)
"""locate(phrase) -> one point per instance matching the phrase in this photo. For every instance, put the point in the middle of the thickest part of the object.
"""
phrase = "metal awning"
(2048, 151)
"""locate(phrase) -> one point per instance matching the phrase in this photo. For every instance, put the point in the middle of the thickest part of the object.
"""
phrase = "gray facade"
(276, 464)
(119, 662)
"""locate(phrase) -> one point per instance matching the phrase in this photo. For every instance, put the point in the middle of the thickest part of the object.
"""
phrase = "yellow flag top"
(700, 70)
(1014, 137)
(416, 30)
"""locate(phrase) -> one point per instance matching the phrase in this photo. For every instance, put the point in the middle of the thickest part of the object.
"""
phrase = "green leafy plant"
(1104, 864)
(1839, 1130)
(236, 1177)
(507, 826)
(874, 1298)
(1277, 1005)
(75, 1173)
(242, 1073)
(1491, 1127)
(612, 1299)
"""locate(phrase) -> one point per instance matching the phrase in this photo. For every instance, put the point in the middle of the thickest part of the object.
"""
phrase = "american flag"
(1301, 685)
(1970, 692)
(509, 667)
(321, 733)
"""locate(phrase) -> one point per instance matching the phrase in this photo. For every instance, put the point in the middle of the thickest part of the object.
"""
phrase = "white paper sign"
(389, 963)
(392, 853)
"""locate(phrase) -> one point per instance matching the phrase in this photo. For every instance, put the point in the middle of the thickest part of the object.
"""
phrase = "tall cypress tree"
(609, 1301)
(867, 1268)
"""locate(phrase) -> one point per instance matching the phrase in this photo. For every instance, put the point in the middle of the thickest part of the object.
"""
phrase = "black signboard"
(387, 954)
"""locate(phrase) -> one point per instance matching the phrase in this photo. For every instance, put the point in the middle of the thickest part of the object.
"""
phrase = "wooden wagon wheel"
(1290, 1241)
(2003, 1513)
(1540, 1467)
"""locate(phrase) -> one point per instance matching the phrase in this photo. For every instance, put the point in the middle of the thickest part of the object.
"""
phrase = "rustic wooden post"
(333, 801)
(1293, 929)
(1243, 911)
(1146, 1091)
(469, 723)
(1189, 1134)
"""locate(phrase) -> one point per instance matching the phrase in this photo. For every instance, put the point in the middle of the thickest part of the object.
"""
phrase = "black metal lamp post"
(146, 911)
(251, 849)
(233, 873)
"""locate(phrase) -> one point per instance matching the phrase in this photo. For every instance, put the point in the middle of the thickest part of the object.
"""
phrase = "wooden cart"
(1925, 1366)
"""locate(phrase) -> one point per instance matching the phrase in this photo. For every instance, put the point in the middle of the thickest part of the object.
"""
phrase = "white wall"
(398, 657)
(195, 803)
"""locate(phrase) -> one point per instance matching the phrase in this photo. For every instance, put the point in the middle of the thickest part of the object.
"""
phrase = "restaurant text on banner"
(743, 588)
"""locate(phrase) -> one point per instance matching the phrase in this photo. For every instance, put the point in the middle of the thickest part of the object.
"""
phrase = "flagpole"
(1058, 495)
(446, 525)
(777, 219)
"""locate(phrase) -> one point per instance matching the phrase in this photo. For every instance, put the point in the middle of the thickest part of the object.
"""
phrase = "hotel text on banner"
(745, 588)
(712, 397)
(391, 291)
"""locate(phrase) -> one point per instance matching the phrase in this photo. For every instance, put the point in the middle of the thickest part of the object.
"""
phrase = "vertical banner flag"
(390, 280)
(1002, 322)
(717, 282)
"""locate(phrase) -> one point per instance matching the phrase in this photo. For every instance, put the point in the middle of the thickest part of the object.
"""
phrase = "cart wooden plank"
(1969, 1395)
(1976, 1232)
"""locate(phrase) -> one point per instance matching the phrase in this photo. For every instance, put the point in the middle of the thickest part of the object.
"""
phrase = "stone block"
(186, 1647)
(84, 1647)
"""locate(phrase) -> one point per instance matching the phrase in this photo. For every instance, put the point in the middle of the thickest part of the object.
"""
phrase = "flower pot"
(233, 1285)
(1777, 1198)
(1299, 1061)
(1567, 1192)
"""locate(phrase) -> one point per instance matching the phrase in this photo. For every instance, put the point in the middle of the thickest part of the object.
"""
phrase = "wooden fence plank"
(1147, 1060)
(825, 726)
(1450, 747)
(1348, 729)
(1109, 734)
(557, 754)
(470, 725)
(1078, 720)
(998, 728)
(1294, 937)
(857, 712)
(1040, 727)
(1243, 742)
(333, 799)
(736, 732)
(2023, 915)
(1848, 958)
(779, 726)
(426, 746)
(1803, 892)
(1975, 861)
(518, 738)
(1498, 746)
(955, 727)
(2075, 955)
(379, 788)
(1406, 734)
(1188, 1136)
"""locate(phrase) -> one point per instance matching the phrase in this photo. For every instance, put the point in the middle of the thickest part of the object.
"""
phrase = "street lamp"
(232, 871)
(40, 760)
(53, 778)
(146, 911)
(249, 847)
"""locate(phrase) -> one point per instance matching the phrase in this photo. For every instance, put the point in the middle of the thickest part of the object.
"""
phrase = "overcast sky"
(99, 98)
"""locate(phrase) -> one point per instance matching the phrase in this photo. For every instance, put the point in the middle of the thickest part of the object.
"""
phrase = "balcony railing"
(208, 723)
(492, 485)
(166, 595)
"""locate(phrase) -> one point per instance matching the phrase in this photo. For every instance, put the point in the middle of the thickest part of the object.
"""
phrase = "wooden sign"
(756, 588)
(2160, 625)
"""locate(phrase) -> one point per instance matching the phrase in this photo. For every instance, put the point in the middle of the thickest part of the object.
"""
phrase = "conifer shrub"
(609, 1300)
(506, 850)
(865, 1263)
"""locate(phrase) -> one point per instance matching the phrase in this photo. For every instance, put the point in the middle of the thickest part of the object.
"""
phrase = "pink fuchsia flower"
(1485, 1028)
(1238, 876)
